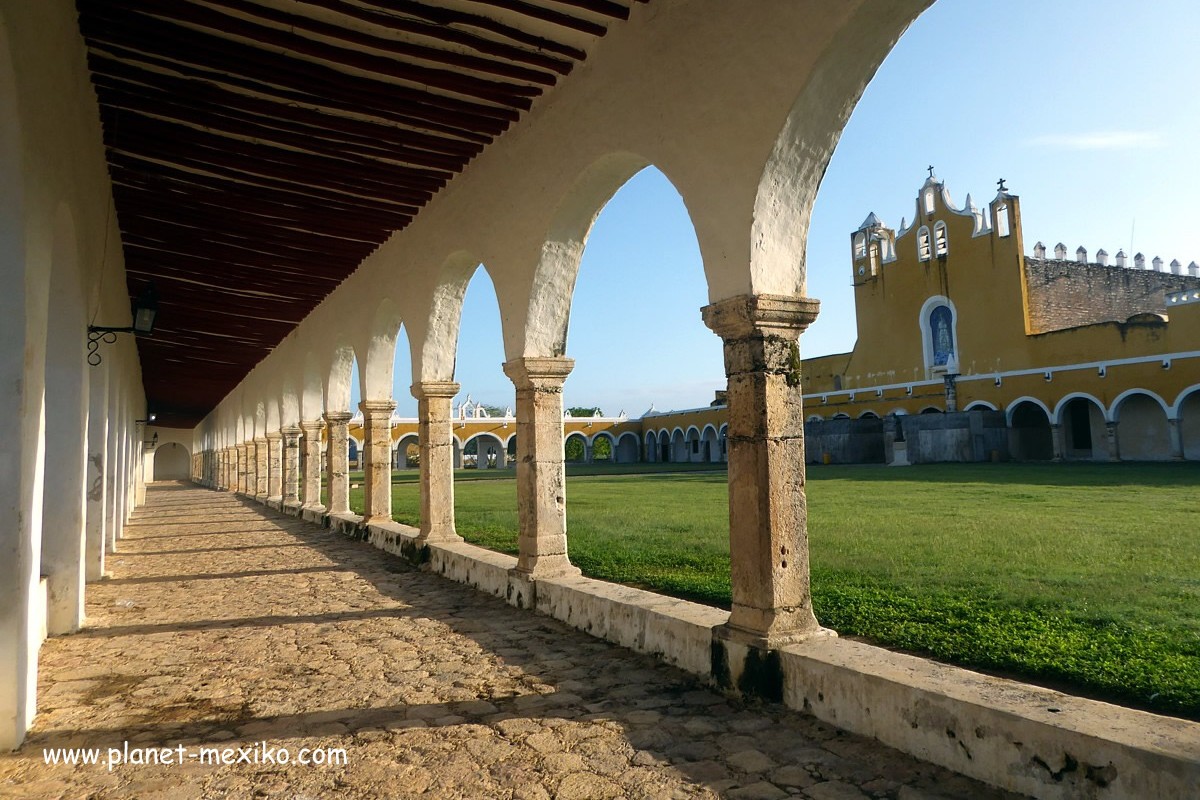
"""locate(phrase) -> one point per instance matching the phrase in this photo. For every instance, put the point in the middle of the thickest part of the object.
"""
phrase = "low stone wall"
(1019, 737)
(844, 441)
(963, 436)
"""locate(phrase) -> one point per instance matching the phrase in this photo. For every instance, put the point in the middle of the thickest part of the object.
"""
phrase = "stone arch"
(984, 405)
(172, 462)
(312, 401)
(490, 451)
(289, 402)
(1187, 412)
(554, 278)
(375, 368)
(692, 442)
(931, 410)
(664, 445)
(1083, 420)
(679, 446)
(434, 339)
(407, 453)
(710, 444)
(792, 174)
(1030, 435)
(271, 414)
(1144, 433)
(612, 447)
(626, 450)
(337, 385)
(568, 447)
(868, 415)
(651, 447)
(1008, 411)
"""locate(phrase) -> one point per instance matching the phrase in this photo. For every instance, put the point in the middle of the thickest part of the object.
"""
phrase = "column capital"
(426, 389)
(274, 436)
(376, 407)
(538, 372)
(750, 315)
(293, 430)
(331, 417)
(311, 426)
(259, 440)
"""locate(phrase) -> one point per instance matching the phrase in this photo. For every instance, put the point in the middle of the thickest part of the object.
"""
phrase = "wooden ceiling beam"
(442, 32)
(449, 17)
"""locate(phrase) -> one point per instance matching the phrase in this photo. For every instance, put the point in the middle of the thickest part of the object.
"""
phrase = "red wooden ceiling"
(259, 150)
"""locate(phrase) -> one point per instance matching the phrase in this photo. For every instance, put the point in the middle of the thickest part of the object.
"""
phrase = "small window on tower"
(860, 245)
(1002, 220)
(923, 244)
(929, 201)
(940, 246)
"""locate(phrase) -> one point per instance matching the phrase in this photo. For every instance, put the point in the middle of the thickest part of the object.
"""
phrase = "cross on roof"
(930, 168)
(1000, 183)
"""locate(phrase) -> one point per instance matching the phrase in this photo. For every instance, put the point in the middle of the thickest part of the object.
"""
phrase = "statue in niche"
(940, 321)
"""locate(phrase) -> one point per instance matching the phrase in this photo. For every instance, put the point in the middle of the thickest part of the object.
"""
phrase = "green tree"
(601, 449)
(581, 411)
(574, 449)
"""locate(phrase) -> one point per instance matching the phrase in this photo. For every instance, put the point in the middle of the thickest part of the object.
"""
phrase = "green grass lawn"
(1083, 577)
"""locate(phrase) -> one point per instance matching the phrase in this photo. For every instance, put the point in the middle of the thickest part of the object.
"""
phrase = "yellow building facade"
(1085, 358)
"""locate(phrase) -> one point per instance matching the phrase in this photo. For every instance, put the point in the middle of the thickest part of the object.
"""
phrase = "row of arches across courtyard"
(490, 450)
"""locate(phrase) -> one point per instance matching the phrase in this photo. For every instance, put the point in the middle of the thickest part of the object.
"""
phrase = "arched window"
(923, 243)
(940, 244)
(939, 334)
(1002, 222)
(860, 245)
(929, 201)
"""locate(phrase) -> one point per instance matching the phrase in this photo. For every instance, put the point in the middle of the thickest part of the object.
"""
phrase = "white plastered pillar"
(97, 475)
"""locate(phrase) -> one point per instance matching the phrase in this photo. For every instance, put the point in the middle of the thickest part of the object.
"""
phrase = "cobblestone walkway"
(227, 626)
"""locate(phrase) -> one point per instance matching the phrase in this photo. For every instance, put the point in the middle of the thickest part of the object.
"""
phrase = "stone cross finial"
(930, 168)
(1001, 186)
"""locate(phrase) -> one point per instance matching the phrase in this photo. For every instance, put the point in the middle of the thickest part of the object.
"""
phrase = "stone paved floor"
(225, 625)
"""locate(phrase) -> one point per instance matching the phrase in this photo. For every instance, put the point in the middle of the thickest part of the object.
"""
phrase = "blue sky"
(1089, 110)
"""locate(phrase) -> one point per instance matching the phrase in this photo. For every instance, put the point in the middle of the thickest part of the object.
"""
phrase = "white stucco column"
(261, 460)
(97, 469)
(1114, 441)
(541, 478)
(337, 455)
(1175, 429)
(436, 441)
(312, 463)
(291, 465)
(275, 468)
(377, 459)
(768, 517)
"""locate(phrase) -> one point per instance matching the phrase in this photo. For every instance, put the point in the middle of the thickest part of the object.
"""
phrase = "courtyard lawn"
(1082, 577)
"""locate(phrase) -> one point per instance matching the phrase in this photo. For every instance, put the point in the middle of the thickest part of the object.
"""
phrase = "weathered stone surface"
(247, 626)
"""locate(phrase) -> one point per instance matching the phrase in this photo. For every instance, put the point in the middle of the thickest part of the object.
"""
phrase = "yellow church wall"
(982, 275)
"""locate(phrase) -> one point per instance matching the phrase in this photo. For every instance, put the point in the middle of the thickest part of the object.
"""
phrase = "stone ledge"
(1021, 737)
(999, 731)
